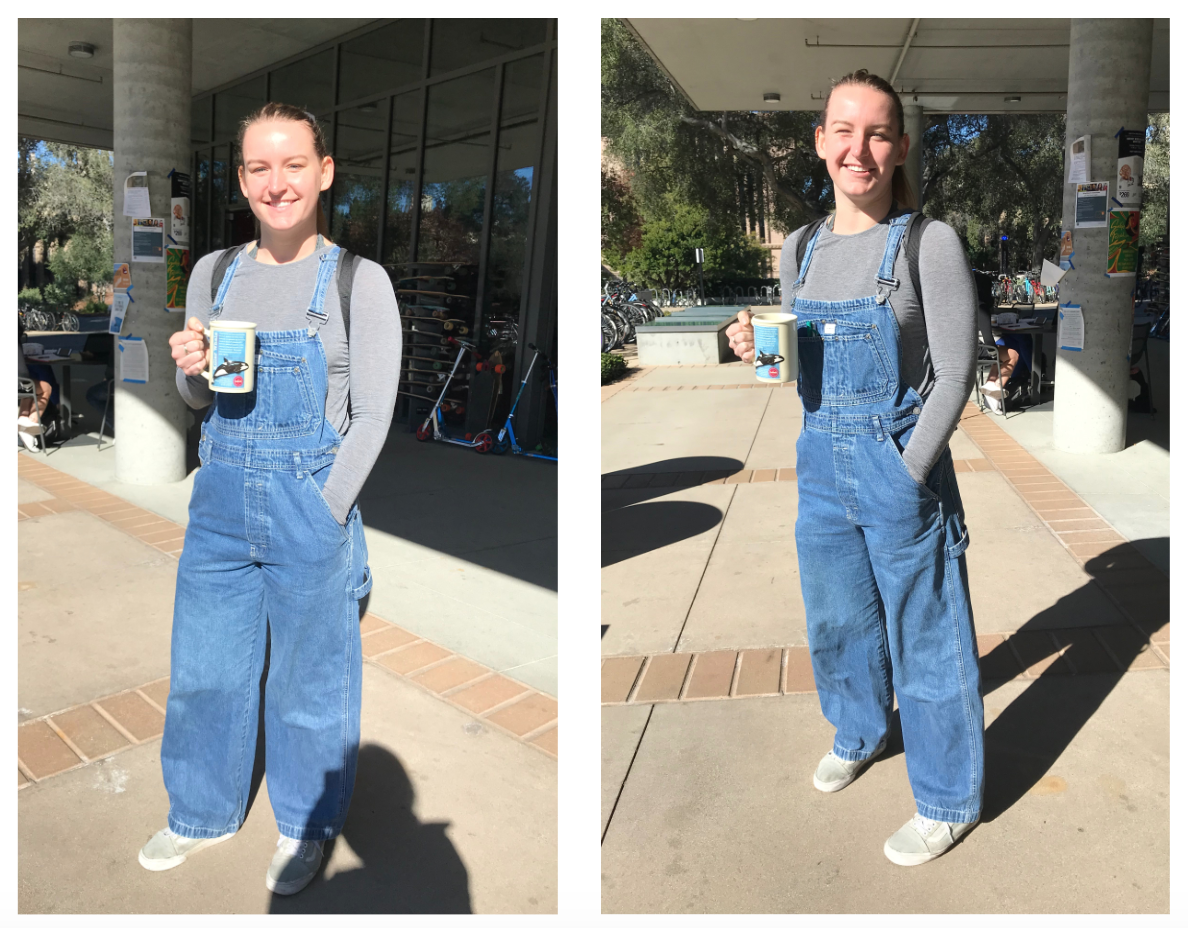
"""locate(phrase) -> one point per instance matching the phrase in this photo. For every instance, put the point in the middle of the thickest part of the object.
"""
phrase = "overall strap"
(885, 282)
(327, 264)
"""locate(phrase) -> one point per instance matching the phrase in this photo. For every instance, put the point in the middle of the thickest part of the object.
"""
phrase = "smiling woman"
(274, 534)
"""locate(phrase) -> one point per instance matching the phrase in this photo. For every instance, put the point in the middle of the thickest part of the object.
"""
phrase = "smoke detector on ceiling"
(82, 50)
(771, 98)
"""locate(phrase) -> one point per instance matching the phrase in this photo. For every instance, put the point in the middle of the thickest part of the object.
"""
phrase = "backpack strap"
(806, 236)
(347, 262)
(220, 269)
(911, 247)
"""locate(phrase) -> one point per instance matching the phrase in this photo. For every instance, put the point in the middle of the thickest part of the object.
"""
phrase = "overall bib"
(882, 570)
(265, 558)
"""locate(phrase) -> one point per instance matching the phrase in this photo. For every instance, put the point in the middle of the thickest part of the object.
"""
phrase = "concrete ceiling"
(951, 65)
(65, 99)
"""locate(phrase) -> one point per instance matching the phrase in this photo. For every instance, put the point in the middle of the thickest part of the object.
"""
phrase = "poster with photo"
(1128, 183)
(179, 208)
(1092, 202)
(148, 240)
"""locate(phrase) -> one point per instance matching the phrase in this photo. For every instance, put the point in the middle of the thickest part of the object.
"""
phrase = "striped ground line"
(501, 703)
(692, 676)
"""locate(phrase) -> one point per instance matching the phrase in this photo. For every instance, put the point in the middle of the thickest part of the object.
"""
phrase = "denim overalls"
(882, 571)
(263, 553)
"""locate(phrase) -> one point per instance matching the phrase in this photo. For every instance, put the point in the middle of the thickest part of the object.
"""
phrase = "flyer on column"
(1092, 202)
(177, 275)
(148, 240)
(1122, 255)
(136, 198)
(179, 208)
(121, 278)
(1132, 146)
(134, 362)
(1079, 160)
(1072, 327)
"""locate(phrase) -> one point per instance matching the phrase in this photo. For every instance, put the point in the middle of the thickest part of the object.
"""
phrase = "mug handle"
(206, 370)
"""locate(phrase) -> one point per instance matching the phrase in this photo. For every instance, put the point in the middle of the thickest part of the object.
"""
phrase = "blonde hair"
(287, 112)
(901, 188)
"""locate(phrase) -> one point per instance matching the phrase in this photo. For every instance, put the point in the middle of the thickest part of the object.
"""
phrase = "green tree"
(1153, 222)
(665, 256)
(622, 225)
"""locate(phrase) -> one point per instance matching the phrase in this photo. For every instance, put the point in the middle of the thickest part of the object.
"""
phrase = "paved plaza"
(711, 727)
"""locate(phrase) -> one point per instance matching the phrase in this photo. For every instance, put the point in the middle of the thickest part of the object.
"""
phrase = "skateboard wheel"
(483, 443)
(424, 431)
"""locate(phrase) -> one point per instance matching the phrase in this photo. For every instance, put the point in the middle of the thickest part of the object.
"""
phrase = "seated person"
(1014, 365)
(31, 411)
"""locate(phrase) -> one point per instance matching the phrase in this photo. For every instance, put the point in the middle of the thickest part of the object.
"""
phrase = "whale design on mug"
(230, 367)
(762, 360)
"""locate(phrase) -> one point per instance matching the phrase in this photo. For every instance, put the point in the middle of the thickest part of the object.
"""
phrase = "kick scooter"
(506, 437)
(434, 425)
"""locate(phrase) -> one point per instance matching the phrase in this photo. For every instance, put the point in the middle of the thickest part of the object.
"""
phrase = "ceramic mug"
(775, 347)
(232, 366)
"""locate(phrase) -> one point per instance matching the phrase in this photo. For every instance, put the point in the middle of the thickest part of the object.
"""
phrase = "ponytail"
(901, 188)
(324, 225)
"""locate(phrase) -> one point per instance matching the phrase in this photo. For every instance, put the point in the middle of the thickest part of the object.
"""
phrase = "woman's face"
(282, 175)
(860, 143)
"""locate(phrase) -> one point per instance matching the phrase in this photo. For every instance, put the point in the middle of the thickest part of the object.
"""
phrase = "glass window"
(519, 146)
(402, 177)
(358, 178)
(457, 153)
(233, 105)
(200, 110)
(198, 244)
(308, 83)
(458, 43)
(219, 167)
(381, 60)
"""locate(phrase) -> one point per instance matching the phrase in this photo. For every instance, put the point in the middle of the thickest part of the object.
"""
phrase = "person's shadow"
(409, 866)
(1027, 738)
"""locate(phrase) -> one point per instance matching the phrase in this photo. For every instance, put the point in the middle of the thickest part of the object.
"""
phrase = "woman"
(884, 375)
(274, 549)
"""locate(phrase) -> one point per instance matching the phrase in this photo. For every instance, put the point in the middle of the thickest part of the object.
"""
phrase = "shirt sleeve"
(374, 352)
(950, 304)
(196, 390)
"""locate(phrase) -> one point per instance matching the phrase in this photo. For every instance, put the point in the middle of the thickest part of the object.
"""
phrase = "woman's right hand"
(742, 336)
(191, 348)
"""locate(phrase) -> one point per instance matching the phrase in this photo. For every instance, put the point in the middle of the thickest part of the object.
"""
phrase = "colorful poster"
(1066, 250)
(1128, 183)
(148, 240)
(122, 276)
(179, 208)
(177, 275)
(1092, 203)
(1122, 256)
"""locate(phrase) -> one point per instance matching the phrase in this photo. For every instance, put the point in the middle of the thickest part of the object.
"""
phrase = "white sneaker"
(833, 773)
(28, 424)
(28, 439)
(165, 850)
(294, 864)
(991, 388)
(923, 839)
(994, 403)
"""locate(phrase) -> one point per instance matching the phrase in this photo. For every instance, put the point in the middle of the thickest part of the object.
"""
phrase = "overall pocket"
(843, 363)
(897, 444)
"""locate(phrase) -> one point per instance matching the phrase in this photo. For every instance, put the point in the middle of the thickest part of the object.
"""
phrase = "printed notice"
(1078, 161)
(1092, 204)
(136, 198)
(1072, 327)
(179, 208)
(148, 240)
(134, 365)
(1128, 184)
(1122, 254)
(119, 309)
(1066, 250)
(121, 276)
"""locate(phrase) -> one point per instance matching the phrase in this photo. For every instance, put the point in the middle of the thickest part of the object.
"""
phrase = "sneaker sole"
(914, 860)
(157, 864)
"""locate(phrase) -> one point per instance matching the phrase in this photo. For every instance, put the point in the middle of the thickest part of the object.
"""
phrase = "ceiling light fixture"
(771, 98)
(1013, 99)
(82, 50)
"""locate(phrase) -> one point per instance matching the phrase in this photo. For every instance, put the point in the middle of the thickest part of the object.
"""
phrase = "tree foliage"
(1156, 180)
(64, 202)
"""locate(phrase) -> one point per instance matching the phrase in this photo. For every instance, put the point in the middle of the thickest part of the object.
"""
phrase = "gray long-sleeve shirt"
(363, 378)
(937, 347)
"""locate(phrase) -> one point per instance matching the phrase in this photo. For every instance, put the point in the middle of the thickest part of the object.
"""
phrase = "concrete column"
(913, 125)
(1109, 78)
(151, 87)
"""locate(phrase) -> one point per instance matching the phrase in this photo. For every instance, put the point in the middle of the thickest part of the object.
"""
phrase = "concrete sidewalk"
(455, 799)
(711, 726)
